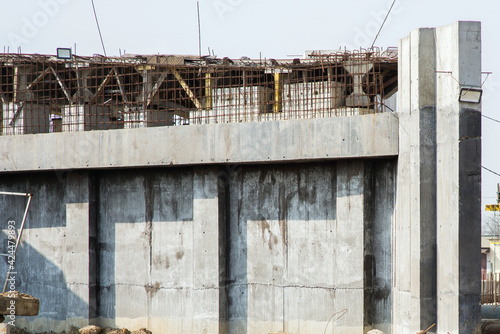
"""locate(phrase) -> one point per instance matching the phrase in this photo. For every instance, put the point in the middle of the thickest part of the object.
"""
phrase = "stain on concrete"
(151, 290)
(161, 261)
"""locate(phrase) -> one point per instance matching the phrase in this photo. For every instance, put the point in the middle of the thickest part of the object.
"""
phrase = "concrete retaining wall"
(272, 248)
(374, 135)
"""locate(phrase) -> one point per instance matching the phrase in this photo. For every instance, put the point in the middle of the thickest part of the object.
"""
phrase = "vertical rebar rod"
(17, 241)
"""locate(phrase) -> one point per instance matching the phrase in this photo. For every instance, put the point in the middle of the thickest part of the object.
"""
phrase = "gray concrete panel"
(415, 224)
(458, 52)
(372, 135)
(166, 259)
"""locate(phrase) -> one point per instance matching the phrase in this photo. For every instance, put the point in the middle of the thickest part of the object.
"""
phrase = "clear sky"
(236, 28)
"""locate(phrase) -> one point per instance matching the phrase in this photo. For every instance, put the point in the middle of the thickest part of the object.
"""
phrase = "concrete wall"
(438, 214)
(219, 248)
(246, 249)
(374, 135)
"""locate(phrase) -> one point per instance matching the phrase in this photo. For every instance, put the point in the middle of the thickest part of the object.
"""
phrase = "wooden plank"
(101, 87)
(277, 92)
(186, 88)
(83, 94)
(2, 96)
(120, 86)
(145, 68)
(16, 115)
(63, 86)
(40, 77)
(209, 91)
(16, 82)
(156, 87)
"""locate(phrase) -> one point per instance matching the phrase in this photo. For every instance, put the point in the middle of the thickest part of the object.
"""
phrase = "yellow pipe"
(277, 92)
(208, 90)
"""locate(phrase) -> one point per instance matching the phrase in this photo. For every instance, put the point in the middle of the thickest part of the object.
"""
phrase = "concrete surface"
(268, 248)
(437, 230)
(374, 135)
(458, 135)
(490, 312)
(415, 225)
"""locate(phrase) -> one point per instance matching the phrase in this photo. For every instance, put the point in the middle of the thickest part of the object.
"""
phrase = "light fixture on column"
(63, 53)
(470, 94)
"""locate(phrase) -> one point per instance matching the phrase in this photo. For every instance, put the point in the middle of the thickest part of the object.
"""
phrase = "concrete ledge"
(374, 135)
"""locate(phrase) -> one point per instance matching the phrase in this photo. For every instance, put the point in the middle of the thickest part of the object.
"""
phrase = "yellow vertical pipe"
(208, 90)
(277, 92)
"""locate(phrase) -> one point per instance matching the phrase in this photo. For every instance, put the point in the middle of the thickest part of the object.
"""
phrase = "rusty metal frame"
(88, 93)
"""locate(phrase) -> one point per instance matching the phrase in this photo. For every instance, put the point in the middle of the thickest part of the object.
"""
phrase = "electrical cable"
(491, 171)
(98, 28)
(382, 25)
(490, 118)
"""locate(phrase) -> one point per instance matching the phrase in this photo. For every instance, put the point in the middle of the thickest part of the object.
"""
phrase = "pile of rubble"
(86, 330)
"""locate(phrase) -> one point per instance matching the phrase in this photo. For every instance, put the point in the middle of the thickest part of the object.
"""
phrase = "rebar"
(42, 94)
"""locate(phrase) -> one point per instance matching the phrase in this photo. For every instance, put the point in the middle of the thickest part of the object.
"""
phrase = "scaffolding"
(42, 94)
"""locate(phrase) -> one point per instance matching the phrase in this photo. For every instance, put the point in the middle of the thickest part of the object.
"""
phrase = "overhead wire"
(490, 118)
(491, 171)
(382, 25)
(498, 121)
(98, 28)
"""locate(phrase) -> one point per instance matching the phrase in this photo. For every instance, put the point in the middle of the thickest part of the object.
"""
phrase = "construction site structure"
(41, 94)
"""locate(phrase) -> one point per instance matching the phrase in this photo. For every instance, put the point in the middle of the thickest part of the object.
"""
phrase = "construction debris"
(85, 330)
(142, 331)
(90, 330)
(109, 330)
(19, 304)
(428, 329)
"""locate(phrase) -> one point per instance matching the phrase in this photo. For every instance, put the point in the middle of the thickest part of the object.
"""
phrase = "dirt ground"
(84, 330)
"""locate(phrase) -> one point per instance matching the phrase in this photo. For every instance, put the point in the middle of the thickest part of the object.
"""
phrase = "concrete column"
(79, 267)
(414, 267)
(383, 195)
(354, 250)
(437, 225)
(458, 59)
(208, 298)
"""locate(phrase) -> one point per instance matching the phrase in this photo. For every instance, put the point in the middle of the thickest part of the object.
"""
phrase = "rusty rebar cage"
(41, 94)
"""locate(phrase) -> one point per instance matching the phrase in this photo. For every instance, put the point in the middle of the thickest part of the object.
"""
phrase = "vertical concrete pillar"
(80, 269)
(354, 250)
(437, 226)
(458, 59)
(383, 194)
(414, 269)
(209, 252)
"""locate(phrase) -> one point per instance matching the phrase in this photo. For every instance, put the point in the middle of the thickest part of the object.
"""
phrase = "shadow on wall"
(278, 233)
(146, 232)
(41, 258)
(145, 228)
(293, 234)
(275, 213)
